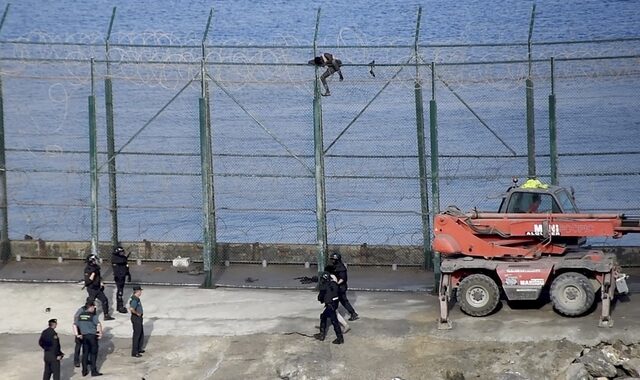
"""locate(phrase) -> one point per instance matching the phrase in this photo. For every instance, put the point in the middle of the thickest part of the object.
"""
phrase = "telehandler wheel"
(572, 294)
(478, 295)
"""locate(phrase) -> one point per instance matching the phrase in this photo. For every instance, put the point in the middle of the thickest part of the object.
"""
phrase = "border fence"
(136, 140)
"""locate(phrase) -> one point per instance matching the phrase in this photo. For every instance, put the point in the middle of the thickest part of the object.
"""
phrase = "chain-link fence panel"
(372, 176)
(482, 132)
(157, 145)
(598, 134)
(46, 139)
(262, 126)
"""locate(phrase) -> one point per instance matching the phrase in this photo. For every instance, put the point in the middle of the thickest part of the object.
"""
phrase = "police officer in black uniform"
(52, 354)
(120, 266)
(95, 286)
(340, 271)
(329, 296)
(88, 328)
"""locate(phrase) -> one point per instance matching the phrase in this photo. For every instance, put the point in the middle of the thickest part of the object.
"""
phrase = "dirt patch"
(296, 357)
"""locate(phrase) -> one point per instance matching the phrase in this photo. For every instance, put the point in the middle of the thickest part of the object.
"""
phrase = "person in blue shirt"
(135, 307)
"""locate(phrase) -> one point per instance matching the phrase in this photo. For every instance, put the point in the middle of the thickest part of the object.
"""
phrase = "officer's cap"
(53, 321)
(136, 288)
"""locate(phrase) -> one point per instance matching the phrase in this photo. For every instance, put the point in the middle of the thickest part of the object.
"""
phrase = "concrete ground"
(246, 333)
(235, 275)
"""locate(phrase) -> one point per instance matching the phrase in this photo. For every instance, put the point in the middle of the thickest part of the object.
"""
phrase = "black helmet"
(336, 256)
(325, 276)
(92, 259)
(118, 250)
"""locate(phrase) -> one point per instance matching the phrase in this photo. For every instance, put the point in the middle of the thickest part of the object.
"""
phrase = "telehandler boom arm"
(498, 235)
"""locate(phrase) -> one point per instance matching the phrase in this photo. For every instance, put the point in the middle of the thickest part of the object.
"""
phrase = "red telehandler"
(534, 242)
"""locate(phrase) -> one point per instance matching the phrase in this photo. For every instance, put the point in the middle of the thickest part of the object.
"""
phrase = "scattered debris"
(307, 279)
(608, 361)
(195, 271)
(181, 262)
(454, 375)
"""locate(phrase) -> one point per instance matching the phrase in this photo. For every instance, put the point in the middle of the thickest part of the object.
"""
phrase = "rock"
(616, 355)
(621, 347)
(288, 371)
(621, 372)
(598, 364)
(577, 371)
(454, 375)
(634, 350)
(632, 366)
(512, 376)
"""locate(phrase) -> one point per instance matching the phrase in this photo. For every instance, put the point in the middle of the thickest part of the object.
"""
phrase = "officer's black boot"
(108, 317)
(338, 330)
(354, 316)
(120, 306)
(321, 335)
(339, 338)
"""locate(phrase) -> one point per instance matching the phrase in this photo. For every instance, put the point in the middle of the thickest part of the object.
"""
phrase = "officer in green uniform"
(52, 355)
(88, 328)
(135, 307)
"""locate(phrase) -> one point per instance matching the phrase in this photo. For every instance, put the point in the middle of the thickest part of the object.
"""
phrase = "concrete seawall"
(252, 252)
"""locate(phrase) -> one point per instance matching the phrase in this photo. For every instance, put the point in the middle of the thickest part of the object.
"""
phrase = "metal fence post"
(422, 161)
(435, 163)
(210, 246)
(108, 99)
(5, 245)
(318, 144)
(208, 210)
(531, 138)
(553, 141)
(93, 159)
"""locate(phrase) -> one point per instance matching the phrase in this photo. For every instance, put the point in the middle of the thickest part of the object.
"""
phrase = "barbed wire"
(163, 59)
